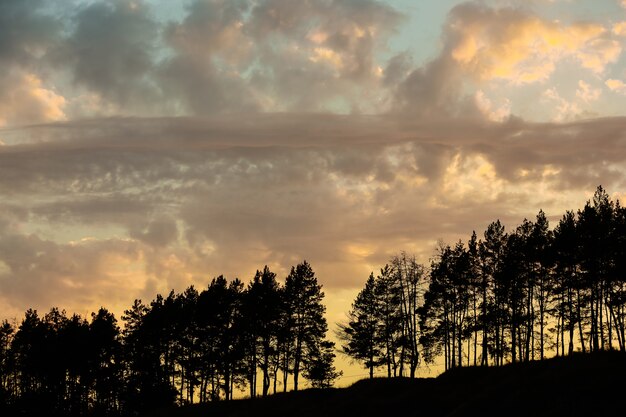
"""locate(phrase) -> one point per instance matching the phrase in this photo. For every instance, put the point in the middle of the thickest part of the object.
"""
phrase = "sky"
(152, 145)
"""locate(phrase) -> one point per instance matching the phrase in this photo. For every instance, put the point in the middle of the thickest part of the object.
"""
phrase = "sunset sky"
(151, 145)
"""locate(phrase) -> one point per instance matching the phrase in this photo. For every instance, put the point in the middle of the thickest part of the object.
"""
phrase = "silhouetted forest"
(507, 297)
(193, 346)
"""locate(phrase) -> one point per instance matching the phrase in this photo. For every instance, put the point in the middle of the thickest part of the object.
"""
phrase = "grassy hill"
(580, 385)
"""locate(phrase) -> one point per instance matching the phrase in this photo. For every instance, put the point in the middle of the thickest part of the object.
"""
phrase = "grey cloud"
(197, 197)
(242, 56)
(100, 209)
(397, 69)
(113, 153)
(203, 89)
(224, 56)
(206, 28)
(431, 91)
(268, 188)
(283, 16)
(336, 59)
(111, 51)
(159, 232)
(12, 214)
(25, 31)
(571, 147)
(27, 35)
(275, 54)
(209, 50)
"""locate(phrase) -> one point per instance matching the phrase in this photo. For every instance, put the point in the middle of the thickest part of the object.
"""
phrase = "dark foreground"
(581, 385)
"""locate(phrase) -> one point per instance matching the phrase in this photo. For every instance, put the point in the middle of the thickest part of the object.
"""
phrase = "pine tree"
(303, 297)
(320, 368)
(361, 334)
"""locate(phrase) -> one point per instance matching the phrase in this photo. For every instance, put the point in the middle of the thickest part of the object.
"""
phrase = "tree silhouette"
(105, 367)
(146, 344)
(361, 335)
(219, 323)
(320, 368)
(303, 300)
(176, 350)
(264, 313)
(511, 297)
(407, 282)
(6, 365)
(391, 323)
(376, 330)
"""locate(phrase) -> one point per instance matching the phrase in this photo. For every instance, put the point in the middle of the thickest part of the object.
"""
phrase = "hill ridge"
(577, 385)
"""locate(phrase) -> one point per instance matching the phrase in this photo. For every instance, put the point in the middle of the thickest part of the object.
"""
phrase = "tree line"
(507, 297)
(178, 349)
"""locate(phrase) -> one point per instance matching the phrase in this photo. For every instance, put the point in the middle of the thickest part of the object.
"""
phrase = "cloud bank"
(140, 153)
(189, 198)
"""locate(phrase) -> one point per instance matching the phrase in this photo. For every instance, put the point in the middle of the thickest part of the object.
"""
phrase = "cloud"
(277, 55)
(433, 90)
(565, 110)
(586, 92)
(616, 85)
(189, 198)
(81, 275)
(347, 32)
(209, 52)
(619, 28)
(111, 52)
(487, 48)
(26, 33)
(24, 99)
(160, 232)
(115, 57)
(486, 106)
(322, 55)
(26, 37)
(301, 140)
(522, 48)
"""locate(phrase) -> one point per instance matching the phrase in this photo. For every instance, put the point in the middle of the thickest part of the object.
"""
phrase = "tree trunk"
(296, 363)
(475, 327)
(580, 321)
(483, 360)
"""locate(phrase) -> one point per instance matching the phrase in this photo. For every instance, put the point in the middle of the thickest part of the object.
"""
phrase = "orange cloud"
(24, 99)
(620, 28)
(521, 48)
(616, 85)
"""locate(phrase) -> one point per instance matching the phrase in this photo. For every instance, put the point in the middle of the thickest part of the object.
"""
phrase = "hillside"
(581, 385)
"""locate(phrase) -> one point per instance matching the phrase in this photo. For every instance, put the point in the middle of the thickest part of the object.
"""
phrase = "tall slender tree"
(361, 334)
(303, 297)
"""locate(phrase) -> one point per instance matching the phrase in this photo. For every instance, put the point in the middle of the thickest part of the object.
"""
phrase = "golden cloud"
(616, 85)
(522, 48)
(619, 28)
(24, 99)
